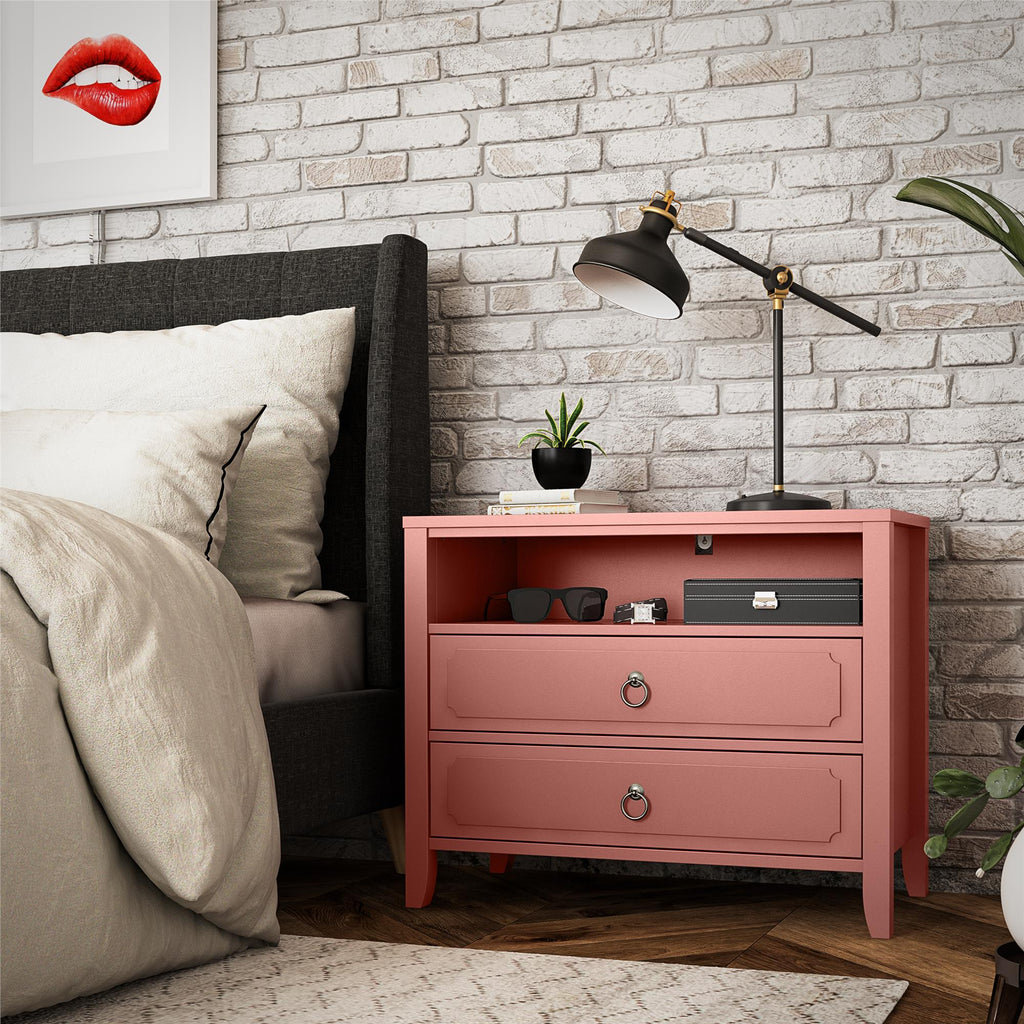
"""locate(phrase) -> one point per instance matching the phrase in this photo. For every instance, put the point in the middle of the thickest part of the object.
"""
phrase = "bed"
(335, 754)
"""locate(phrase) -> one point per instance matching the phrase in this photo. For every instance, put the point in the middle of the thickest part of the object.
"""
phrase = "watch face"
(643, 612)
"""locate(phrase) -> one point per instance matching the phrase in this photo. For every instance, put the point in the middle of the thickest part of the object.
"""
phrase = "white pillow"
(297, 366)
(170, 470)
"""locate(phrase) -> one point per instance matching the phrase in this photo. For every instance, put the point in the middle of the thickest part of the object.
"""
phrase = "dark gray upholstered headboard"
(380, 468)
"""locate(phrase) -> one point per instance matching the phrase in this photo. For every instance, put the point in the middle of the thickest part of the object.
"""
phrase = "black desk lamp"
(636, 270)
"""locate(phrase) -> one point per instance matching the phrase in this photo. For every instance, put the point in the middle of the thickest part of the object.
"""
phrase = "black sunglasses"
(532, 604)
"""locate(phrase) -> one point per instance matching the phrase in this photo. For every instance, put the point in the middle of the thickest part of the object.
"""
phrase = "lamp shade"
(636, 269)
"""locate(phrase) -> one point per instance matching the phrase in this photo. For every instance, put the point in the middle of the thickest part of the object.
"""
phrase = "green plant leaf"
(936, 846)
(594, 444)
(554, 425)
(575, 415)
(1005, 782)
(954, 782)
(542, 435)
(997, 851)
(563, 419)
(951, 196)
(965, 816)
(579, 430)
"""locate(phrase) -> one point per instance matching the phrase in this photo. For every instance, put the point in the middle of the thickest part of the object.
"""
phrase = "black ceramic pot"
(561, 467)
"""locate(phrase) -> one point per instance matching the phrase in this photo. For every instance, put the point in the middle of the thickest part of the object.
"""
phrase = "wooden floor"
(943, 944)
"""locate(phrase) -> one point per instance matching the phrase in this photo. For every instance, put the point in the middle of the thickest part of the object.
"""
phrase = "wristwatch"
(654, 609)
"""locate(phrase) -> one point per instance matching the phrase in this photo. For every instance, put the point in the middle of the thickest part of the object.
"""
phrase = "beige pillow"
(297, 366)
(171, 470)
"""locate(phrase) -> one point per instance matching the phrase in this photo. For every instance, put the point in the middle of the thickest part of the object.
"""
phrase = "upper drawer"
(796, 689)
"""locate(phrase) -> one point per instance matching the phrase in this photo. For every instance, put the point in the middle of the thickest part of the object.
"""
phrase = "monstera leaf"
(986, 214)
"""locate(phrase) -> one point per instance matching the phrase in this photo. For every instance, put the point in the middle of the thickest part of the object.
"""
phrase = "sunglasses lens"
(584, 605)
(529, 604)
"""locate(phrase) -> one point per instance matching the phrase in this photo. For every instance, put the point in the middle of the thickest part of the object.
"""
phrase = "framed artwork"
(106, 104)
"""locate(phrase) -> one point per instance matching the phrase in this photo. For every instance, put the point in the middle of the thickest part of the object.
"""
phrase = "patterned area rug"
(336, 981)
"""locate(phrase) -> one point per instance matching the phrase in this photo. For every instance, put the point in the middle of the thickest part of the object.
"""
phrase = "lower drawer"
(742, 802)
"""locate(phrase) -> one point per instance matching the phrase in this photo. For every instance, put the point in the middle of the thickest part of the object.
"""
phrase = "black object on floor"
(1008, 989)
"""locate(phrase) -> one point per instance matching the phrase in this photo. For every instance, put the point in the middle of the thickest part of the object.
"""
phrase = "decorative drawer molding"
(700, 800)
(794, 689)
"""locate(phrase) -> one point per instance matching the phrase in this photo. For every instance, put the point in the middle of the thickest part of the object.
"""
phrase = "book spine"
(538, 509)
(565, 494)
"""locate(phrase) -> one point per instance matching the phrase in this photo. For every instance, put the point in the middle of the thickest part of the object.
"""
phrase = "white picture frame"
(95, 151)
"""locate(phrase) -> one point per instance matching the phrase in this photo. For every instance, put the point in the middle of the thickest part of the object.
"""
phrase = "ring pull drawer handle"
(635, 792)
(633, 681)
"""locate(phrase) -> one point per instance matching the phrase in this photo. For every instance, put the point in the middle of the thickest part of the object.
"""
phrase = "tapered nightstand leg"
(501, 862)
(878, 897)
(420, 876)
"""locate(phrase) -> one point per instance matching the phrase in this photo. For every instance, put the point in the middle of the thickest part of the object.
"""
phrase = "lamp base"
(775, 501)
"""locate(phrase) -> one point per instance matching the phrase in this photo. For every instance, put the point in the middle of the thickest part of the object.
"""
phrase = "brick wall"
(506, 134)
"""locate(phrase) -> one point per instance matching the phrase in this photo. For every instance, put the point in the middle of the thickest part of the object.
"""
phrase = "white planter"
(1012, 890)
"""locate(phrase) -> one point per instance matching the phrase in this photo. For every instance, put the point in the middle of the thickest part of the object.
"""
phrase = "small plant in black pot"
(561, 457)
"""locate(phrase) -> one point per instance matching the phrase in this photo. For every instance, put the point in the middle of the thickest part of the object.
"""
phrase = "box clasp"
(765, 599)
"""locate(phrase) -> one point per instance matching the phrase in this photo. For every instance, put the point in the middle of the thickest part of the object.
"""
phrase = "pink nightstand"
(764, 745)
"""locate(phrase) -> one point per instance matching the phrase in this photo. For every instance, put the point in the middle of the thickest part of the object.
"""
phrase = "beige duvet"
(139, 827)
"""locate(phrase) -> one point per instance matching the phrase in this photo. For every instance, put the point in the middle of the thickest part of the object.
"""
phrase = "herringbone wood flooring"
(943, 944)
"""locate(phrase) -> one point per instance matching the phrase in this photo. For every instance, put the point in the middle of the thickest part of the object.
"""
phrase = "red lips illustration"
(124, 102)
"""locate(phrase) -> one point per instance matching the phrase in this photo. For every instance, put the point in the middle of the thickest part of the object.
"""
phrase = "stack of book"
(565, 501)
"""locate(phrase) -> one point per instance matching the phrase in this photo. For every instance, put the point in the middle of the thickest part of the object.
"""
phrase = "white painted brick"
(239, 87)
(443, 266)
(591, 13)
(367, 72)
(1000, 504)
(357, 170)
(988, 542)
(890, 352)
(421, 133)
(707, 324)
(631, 364)
(536, 368)
(360, 232)
(1018, 151)
(973, 117)
(744, 361)
(994, 313)
(532, 158)
(467, 232)
(979, 270)
(1013, 465)
(859, 19)
(597, 331)
(120, 224)
(966, 426)
(530, 194)
(735, 104)
(1003, 385)
(17, 235)
(602, 44)
(920, 13)
(541, 86)
(413, 200)
(463, 301)
(925, 391)
(487, 58)
(305, 48)
(935, 465)
(861, 278)
(414, 8)
(522, 19)
(699, 470)
(205, 218)
(944, 45)
(526, 124)
(890, 127)
(491, 335)
(303, 81)
(937, 504)
(960, 158)
(763, 136)
(662, 76)
(970, 79)
(971, 622)
(653, 147)
(890, 51)
(864, 90)
(231, 57)
(465, 406)
(234, 243)
(796, 247)
(542, 298)
(486, 477)
(451, 96)
(693, 36)
(811, 210)
(519, 264)
(620, 115)
(179, 248)
(724, 180)
(257, 117)
(850, 167)
(814, 467)
(615, 188)
(528, 406)
(729, 433)
(252, 21)
(977, 348)
(926, 239)
(257, 179)
(330, 141)
(756, 396)
(362, 106)
(803, 319)
(563, 226)
(64, 256)
(761, 66)
(814, 429)
(329, 13)
(414, 34)
(655, 400)
(297, 210)
(446, 163)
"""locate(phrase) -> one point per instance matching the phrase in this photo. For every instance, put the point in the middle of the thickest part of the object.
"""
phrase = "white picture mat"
(171, 160)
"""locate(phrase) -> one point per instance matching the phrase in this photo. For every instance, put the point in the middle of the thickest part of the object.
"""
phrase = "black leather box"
(808, 602)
